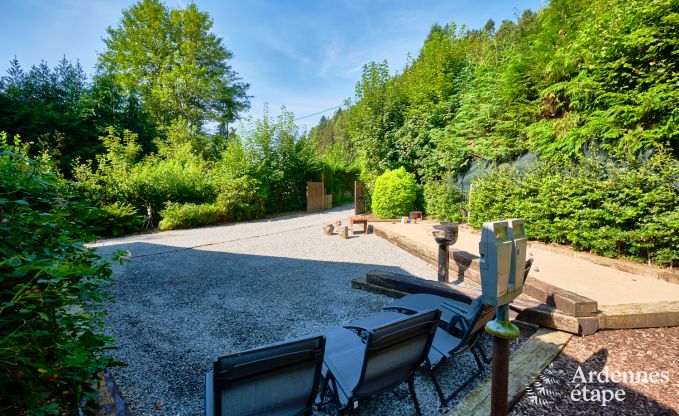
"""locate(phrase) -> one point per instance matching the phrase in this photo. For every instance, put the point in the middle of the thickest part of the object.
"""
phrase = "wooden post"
(469, 198)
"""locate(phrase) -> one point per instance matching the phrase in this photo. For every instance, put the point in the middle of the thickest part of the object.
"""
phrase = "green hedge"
(394, 193)
(178, 176)
(629, 209)
(238, 200)
(241, 199)
(156, 181)
(177, 215)
(50, 331)
(443, 201)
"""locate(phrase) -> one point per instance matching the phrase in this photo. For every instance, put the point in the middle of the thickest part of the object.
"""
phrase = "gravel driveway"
(188, 296)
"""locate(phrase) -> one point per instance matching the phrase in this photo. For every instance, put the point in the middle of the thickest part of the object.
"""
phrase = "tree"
(280, 160)
(373, 119)
(45, 105)
(178, 66)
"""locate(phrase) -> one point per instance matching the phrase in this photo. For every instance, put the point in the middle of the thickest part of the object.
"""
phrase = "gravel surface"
(637, 351)
(188, 296)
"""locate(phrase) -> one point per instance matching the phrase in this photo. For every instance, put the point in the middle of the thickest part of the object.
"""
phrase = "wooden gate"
(359, 198)
(315, 196)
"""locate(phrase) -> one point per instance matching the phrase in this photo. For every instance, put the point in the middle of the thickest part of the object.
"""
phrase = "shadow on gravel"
(175, 309)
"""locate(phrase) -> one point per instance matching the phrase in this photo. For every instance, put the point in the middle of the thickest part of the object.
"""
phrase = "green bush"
(394, 194)
(443, 201)
(177, 175)
(240, 199)
(116, 219)
(51, 344)
(629, 209)
(177, 215)
(181, 178)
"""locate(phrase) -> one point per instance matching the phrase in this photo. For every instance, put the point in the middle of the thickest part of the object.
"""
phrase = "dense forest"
(585, 90)
(154, 128)
(575, 79)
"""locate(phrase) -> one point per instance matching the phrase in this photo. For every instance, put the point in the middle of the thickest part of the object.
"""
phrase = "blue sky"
(306, 55)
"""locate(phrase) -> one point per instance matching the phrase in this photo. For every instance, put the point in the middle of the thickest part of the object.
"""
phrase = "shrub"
(108, 180)
(178, 175)
(116, 219)
(177, 215)
(341, 199)
(443, 201)
(50, 340)
(627, 209)
(394, 194)
(182, 178)
(240, 199)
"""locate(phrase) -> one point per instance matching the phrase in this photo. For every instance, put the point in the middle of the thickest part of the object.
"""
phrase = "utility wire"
(303, 117)
(315, 114)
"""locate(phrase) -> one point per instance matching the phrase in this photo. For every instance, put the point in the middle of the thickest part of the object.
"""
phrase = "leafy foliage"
(626, 209)
(58, 109)
(443, 201)
(264, 172)
(336, 156)
(280, 160)
(395, 193)
(575, 76)
(176, 174)
(178, 66)
(240, 199)
(188, 215)
(160, 66)
(574, 80)
(372, 120)
(116, 219)
(50, 344)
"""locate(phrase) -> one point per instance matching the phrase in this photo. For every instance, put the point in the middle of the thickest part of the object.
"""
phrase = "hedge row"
(629, 209)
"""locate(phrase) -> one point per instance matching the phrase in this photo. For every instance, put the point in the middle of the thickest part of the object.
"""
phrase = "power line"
(315, 114)
(303, 117)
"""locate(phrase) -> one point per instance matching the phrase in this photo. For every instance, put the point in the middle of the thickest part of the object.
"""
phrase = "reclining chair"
(357, 367)
(461, 334)
(423, 301)
(278, 379)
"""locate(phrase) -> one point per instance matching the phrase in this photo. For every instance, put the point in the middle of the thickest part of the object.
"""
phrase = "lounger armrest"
(454, 308)
(360, 327)
(399, 309)
(373, 321)
(459, 317)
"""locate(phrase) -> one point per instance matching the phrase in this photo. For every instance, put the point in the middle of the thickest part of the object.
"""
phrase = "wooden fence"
(315, 196)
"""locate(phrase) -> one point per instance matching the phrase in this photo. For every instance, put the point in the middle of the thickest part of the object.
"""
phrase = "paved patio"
(626, 294)
(563, 268)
